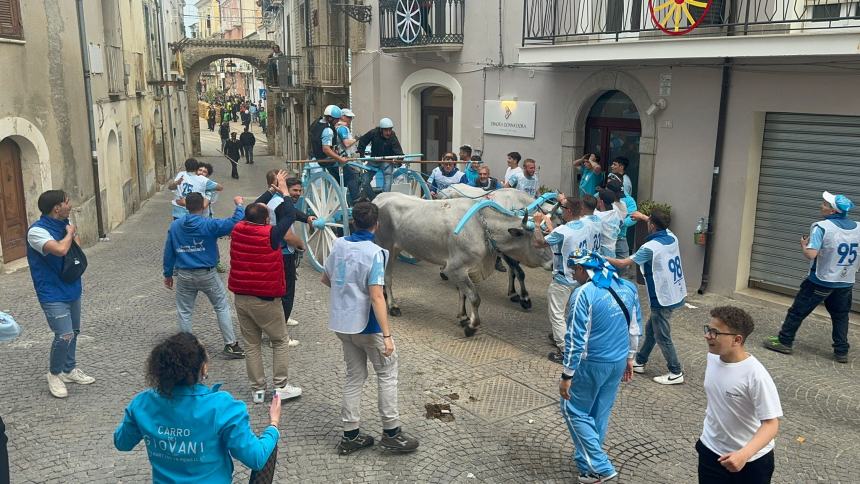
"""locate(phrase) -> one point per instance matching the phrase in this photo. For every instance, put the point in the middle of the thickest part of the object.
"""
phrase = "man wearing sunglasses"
(742, 416)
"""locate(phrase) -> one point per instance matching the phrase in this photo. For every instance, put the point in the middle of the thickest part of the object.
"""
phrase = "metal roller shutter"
(802, 155)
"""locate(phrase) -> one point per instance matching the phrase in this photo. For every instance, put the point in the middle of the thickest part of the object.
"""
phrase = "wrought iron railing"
(325, 65)
(284, 73)
(560, 21)
(407, 23)
(115, 70)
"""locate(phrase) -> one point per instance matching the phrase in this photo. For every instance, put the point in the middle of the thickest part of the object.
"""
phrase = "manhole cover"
(480, 349)
(500, 397)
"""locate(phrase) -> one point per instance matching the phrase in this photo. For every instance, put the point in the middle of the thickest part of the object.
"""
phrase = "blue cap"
(600, 271)
(841, 203)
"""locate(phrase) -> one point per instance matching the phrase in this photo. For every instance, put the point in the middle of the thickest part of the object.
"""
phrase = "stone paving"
(501, 388)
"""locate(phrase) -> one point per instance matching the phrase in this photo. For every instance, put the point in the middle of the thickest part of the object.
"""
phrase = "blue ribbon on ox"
(519, 213)
(601, 272)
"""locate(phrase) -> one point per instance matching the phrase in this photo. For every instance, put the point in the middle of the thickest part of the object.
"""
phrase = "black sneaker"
(348, 446)
(841, 358)
(400, 442)
(774, 344)
(551, 339)
(499, 266)
(556, 357)
(234, 351)
(592, 478)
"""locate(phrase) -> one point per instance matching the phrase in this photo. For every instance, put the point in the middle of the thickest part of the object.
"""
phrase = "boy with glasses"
(742, 416)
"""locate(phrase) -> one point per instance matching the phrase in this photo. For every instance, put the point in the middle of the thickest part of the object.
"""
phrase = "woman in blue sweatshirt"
(192, 432)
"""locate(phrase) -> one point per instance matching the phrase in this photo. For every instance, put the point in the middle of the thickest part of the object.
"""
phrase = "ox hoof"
(394, 312)
(443, 276)
(526, 303)
(515, 298)
(464, 322)
(470, 331)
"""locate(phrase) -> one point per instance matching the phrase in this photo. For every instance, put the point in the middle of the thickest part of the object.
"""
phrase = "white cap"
(830, 198)
(347, 112)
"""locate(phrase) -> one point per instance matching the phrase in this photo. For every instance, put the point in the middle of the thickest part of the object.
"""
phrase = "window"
(10, 20)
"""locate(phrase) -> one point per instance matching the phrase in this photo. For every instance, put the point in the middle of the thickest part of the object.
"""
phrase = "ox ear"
(516, 232)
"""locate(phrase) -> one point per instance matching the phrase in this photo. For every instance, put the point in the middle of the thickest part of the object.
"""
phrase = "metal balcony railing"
(408, 23)
(115, 70)
(284, 73)
(325, 66)
(561, 21)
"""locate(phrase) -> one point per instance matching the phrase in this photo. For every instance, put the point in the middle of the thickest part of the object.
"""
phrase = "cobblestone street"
(501, 388)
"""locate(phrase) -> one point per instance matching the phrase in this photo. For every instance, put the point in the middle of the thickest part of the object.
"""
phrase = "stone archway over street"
(197, 54)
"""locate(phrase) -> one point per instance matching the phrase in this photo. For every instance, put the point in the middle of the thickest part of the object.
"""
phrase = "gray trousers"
(357, 349)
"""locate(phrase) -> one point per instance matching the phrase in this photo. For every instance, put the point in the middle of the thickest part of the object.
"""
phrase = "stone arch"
(197, 54)
(581, 101)
(35, 160)
(410, 105)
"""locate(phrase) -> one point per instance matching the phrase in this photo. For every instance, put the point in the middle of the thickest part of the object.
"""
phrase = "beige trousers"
(258, 316)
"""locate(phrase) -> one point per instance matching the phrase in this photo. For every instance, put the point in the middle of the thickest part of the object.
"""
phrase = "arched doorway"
(613, 130)
(13, 213)
(437, 124)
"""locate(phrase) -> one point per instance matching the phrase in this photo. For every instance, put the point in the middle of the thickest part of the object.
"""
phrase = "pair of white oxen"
(428, 230)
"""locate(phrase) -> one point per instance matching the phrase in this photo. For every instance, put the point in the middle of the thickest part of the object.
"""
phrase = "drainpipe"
(715, 183)
(161, 56)
(88, 96)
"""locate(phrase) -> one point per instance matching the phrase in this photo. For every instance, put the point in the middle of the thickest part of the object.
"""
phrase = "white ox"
(506, 197)
(425, 229)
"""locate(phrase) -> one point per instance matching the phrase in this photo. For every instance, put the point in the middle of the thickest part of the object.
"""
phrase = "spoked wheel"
(418, 187)
(324, 198)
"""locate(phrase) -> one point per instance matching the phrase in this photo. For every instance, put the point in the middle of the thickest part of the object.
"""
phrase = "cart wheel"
(325, 199)
(418, 187)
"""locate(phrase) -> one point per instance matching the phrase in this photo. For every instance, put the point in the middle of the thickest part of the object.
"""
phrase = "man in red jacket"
(257, 279)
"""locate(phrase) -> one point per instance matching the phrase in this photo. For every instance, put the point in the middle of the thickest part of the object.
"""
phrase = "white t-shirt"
(610, 221)
(740, 395)
(37, 237)
(512, 171)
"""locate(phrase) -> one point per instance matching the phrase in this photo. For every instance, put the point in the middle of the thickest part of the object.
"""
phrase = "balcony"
(324, 66)
(115, 71)
(728, 28)
(421, 25)
(284, 73)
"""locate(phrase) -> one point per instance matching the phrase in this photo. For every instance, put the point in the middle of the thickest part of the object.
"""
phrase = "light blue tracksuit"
(597, 346)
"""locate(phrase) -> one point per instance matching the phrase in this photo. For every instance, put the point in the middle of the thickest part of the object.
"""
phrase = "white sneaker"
(670, 379)
(259, 396)
(288, 392)
(292, 342)
(637, 368)
(56, 386)
(77, 376)
(292, 322)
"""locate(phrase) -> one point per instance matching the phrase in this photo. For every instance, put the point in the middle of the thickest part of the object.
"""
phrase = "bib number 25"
(675, 268)
(848, 251)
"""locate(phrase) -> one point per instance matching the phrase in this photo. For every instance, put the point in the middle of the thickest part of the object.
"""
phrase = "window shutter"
(10, 20)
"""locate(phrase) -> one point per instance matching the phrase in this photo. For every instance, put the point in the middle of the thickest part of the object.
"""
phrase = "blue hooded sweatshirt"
(192, 241)
(193, 436)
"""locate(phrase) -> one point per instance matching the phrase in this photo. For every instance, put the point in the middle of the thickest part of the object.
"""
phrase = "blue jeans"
(191, 281)
(368, 175)
(64, 318)
(350, 180)
(837, 301)
(592, 394)
(657, 331)
(622, 251)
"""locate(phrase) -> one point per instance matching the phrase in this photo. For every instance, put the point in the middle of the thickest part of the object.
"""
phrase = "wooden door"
(13, 215)
(436, 133)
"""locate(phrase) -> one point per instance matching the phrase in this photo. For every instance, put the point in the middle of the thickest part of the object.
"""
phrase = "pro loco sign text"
(509, 118)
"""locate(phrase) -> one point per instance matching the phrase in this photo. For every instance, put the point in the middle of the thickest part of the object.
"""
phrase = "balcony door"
(437, 122)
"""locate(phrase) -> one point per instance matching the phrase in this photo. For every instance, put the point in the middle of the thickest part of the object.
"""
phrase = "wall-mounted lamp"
(656, 106)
